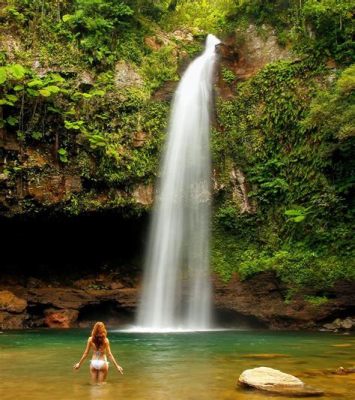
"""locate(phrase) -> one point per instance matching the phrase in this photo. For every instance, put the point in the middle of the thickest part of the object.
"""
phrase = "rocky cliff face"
(43, 184)
(257, 302)
(40, 304)
(264, 298)
(33, 180)
(32, 177)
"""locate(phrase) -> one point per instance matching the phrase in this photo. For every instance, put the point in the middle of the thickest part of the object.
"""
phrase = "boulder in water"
(275, 381)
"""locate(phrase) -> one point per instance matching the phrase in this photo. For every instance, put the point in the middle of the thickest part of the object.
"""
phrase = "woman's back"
(100, 346)
(99, 352)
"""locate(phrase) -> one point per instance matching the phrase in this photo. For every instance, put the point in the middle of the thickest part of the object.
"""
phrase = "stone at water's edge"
(11, 303)
(60, 318)
(275, 381)
(340, 324)
(262, 296)
(12, 310)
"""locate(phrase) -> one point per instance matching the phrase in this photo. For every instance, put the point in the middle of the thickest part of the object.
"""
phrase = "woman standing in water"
(100, 345)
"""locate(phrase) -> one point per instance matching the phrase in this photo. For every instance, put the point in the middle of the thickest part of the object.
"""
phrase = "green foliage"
(196, 15)
(228, 76)
(265, 11)
(161, 66)
(63, 155)
(123, 163)
(333, 111)
(320, 28)
(331, 118)
(12, 72)
(297, 214)
(25, 96)
(289, 130)
(332, 23)
(296, 265)
(89, 31)
(96, 24)
(316, 301)
(102, 121)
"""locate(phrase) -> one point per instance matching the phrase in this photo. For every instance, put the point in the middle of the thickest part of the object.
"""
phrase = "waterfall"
(176, 284)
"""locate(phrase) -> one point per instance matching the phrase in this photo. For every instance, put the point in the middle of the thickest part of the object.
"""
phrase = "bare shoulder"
(90, 340)
(107, 342)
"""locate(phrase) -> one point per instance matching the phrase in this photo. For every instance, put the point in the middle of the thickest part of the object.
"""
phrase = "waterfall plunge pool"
(196, 366)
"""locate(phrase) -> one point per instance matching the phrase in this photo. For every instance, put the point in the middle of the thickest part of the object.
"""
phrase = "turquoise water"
(37, 365)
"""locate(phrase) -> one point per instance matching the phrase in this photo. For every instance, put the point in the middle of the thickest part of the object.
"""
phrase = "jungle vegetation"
(289, 128)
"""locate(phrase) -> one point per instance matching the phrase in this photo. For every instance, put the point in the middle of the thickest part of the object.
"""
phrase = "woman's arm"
(119, 368)
(85, 354)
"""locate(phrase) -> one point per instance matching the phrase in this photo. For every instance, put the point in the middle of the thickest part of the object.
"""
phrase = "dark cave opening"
(230, 319)
(109, 312)
(61, 247)
(346, 312)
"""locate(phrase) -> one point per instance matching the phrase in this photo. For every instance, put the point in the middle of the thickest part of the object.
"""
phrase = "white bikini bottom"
(98, 364)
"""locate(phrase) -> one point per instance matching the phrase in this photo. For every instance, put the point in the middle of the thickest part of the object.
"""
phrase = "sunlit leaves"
(333, 110)
(297, 214)
(63, 155)
(3, 75)
(12, 72)
(75, 125)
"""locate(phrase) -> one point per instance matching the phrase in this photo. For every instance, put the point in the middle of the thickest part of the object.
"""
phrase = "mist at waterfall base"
(176, 292)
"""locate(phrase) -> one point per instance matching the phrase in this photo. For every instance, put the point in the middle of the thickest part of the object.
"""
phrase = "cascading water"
(176, 286)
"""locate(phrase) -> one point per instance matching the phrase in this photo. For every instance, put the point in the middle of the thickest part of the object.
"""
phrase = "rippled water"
(37, 365)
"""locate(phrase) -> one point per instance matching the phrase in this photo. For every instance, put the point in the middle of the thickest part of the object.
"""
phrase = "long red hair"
(99, 334)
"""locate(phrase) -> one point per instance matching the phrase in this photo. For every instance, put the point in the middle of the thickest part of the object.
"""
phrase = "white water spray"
(176, 286)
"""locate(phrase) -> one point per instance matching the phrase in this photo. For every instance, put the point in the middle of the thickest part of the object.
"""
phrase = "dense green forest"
(81, 79)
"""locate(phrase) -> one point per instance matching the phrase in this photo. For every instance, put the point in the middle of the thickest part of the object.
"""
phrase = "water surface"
(37, 365)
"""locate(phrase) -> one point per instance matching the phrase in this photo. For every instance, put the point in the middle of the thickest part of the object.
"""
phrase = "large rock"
(60, 318)
(249, 51)
(11, 303)
(12, 315)
(143, 194)
(245, 53)
(340, 324)
(166, 91)
(275, 381)
(53, 188)
(75, 299)
(63, 306)
(10, 44)
(126, 75)
(240, 191)
(157, 41)
(182, 35)
(33, 303)
(12, 321)
(263, 297)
